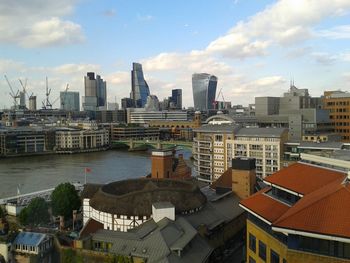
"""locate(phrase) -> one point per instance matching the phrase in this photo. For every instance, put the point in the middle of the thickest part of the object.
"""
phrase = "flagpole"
(85, 174)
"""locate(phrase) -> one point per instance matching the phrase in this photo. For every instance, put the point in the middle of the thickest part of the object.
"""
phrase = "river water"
(35, 173)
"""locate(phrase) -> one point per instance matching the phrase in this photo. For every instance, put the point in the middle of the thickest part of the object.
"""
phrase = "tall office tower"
(95, 92)
(32, 102)
(70, 100)
(139, 86)
(176, 98)
(204, 90)
(22, 100)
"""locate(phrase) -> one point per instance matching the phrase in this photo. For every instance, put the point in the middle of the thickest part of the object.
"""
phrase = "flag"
(87, 170)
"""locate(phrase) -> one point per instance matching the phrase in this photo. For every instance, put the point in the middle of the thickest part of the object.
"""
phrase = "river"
(35, 173)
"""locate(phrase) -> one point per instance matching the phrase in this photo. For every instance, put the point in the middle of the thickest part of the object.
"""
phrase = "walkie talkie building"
(204, 90)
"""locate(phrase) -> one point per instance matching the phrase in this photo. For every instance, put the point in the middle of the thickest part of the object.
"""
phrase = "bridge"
(154, 144)
(24, 199)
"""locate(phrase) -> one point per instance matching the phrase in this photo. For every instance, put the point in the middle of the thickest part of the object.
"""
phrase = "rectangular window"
(252, 242)
(251, 260)
(274, 257)
(262, 250)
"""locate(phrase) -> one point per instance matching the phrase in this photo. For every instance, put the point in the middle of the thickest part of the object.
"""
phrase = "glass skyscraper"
(70, 100)
(95, 92)
(176, 98)
(139, 86)
(204, 90)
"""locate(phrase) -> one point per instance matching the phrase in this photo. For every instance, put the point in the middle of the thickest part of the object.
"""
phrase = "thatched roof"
(135, 197)
(89, 190)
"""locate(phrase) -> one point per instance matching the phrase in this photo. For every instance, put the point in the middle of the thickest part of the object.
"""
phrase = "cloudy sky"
(253, 47)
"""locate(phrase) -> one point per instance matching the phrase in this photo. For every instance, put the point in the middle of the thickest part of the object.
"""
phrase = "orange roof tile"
(303, 178)
(325, 211)
(265, 206)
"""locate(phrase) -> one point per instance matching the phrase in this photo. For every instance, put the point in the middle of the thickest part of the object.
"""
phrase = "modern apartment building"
(338, 104)
(204, 90)
(302, 216)
(265, 145)
(214, 146)
(139, 87)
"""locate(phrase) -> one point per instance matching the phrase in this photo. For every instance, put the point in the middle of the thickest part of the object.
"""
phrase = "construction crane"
(64, 97)
(24, 92)
(215, 102)
(46, 103)
(14, 95)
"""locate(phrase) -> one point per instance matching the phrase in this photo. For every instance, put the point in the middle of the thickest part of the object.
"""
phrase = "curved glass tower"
(139, 86)
(204, 90)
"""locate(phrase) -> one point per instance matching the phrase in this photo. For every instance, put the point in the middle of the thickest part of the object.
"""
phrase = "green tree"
(64, 199)
(35, 213)
(2, 213)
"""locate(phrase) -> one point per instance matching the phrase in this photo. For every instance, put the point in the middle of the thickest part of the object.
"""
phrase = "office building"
(296, 110)
(141, 116)
(72, 140)
(32, 103)
(301, 216)
(122, 132)
(95, 93)
(139, 87)
(127, 103)
(338, 104)
(204, 90)
(176, 98)
(70, 100)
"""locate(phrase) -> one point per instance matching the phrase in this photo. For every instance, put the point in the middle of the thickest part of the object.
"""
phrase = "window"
(274, 257)
(262, 250)
(251, 260)
(284, 260)
(252, 242)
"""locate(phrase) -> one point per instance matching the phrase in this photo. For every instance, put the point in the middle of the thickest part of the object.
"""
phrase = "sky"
(254, 47)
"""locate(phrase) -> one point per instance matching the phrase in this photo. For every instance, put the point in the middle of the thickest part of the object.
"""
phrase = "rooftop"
(29, 238)
(323, 208)
(261, 132)
(159, 242)
(294, 178)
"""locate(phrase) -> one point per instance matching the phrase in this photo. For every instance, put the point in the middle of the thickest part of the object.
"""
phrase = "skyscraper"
(176, 98)
(70, 100)
(95, 92)
(139, 86)
(204, 90)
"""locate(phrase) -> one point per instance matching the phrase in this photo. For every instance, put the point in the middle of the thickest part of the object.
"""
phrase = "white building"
(141, 116)
(215, 144)
(81, 140)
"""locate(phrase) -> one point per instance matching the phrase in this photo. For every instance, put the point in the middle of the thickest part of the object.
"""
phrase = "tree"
(35, 213)
(64, 199)
(2, 213)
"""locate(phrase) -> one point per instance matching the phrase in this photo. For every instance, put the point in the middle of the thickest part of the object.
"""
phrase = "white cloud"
(38, 23)
(286, 23)
(338, 32)
(324, 58)
(145, 17)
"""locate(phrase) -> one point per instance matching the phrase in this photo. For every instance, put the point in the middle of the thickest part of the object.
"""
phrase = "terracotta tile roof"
(303, 178)
(265, 206)
(325, 211)
(225, 180)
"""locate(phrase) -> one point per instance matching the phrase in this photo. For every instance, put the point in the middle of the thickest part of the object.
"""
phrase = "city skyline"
(253, 48)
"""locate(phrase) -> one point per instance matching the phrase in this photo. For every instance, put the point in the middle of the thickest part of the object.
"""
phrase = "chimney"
(243, 177)
(162, 164)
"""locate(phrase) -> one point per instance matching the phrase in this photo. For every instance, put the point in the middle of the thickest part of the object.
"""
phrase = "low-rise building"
(133, 132)
(25, 140)
(29, 244)
(141, 116)
(301, 216)
(72, 140)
